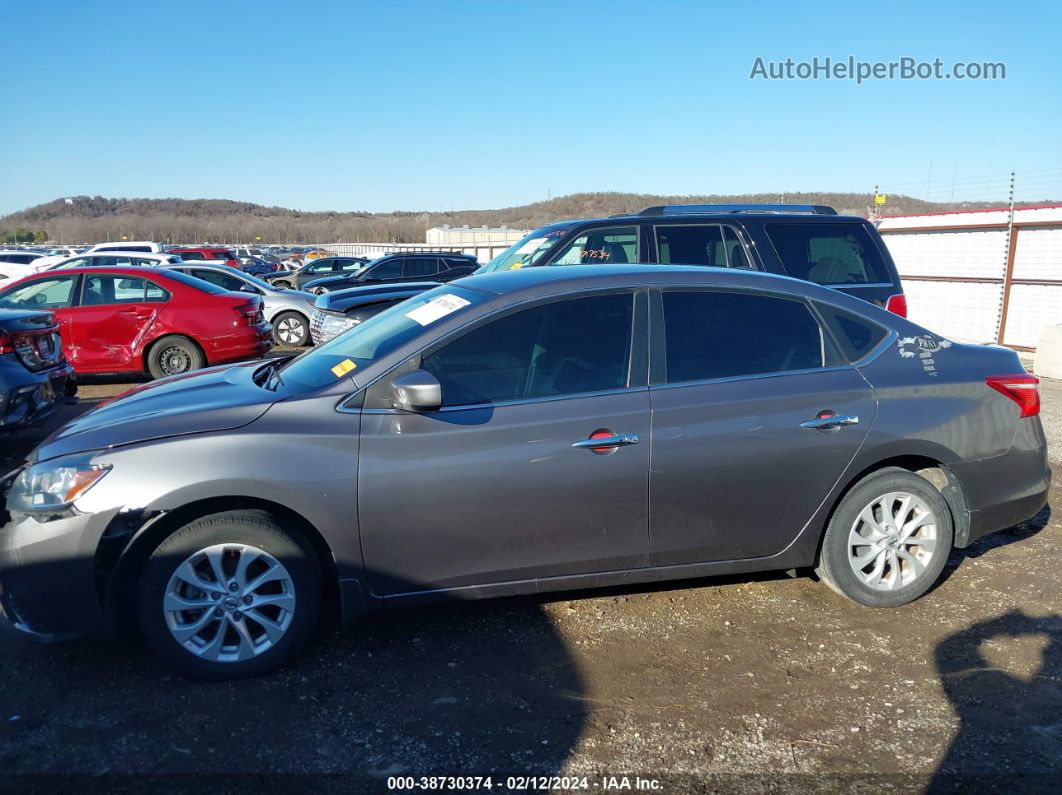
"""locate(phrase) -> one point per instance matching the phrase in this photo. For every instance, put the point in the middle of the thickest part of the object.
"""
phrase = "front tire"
(229, 595)
(291, 328)
(888, 539)
(173, 355)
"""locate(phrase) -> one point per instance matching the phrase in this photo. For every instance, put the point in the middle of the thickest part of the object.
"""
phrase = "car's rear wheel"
(282, 285)
(229, 595)
(173, 355)
(291, 328)
(888, 540)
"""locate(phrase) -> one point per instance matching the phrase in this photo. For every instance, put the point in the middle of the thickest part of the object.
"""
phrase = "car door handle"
(830, 422)
(620, 440)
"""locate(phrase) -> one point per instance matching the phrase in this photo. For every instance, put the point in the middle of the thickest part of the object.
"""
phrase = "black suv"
(34, 374)
(315, 269)
(808, 242)
(409, 266)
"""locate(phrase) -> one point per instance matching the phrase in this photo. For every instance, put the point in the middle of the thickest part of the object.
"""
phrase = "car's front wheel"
(888, 539)
(291, 328)
(229, 595)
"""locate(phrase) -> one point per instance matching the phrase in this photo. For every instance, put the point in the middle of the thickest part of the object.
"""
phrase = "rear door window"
(112, 289)
(191, 255)
(604, 246)
(713, 334)
(713, 245)
(416, 267)
(830, 254)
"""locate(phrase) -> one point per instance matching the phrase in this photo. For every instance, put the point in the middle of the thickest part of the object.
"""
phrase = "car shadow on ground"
(1010, 718)
(1001, 538)
(464, 689)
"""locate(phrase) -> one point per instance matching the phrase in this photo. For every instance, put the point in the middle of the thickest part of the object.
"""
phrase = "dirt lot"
(755, 684)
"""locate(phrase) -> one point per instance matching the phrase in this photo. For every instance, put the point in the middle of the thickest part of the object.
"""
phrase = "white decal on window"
(436, 308)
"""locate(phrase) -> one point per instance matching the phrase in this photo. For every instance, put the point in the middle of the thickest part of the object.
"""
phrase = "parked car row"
(136, 319)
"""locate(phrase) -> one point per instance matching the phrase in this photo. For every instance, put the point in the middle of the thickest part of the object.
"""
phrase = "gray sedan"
(535, 430)
(288, 310)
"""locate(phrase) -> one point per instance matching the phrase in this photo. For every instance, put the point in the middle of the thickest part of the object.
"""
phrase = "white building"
(473, 236)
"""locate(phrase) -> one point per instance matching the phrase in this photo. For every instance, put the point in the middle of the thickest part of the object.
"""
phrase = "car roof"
(633, 275)
(528, 283)
(678, 219)
(121, 252)
(118, 270)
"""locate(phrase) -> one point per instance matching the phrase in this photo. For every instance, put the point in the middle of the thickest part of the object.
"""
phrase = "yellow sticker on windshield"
(343, 368)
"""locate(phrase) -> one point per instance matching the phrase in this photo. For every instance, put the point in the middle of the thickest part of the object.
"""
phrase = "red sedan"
(121, 320)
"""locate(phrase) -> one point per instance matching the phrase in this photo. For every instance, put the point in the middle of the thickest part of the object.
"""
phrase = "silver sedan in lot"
(521, 432)
(288, 311)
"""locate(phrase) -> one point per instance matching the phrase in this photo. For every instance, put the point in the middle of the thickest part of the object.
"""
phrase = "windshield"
(376, 337)
(526, 252)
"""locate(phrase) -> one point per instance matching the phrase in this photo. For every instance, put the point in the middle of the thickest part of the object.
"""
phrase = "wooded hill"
(86, 219)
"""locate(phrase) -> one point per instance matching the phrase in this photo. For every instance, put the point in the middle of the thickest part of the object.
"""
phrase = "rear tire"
(888, 539)
(173, 355)
(199, 606)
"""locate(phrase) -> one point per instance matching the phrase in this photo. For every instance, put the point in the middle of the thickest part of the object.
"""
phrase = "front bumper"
(48, 589)
(29, 398)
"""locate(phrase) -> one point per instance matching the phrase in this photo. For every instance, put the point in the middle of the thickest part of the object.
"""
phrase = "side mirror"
(249, 288)
(417, 391)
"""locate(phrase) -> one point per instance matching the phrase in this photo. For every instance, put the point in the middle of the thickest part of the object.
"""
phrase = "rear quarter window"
(829, 254)
(857, 336)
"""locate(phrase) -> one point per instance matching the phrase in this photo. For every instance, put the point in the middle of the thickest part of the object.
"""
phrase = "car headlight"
(333, 325)
(53, 485)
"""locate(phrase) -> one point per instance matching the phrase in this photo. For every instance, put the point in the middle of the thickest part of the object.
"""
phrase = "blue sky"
(437, 106)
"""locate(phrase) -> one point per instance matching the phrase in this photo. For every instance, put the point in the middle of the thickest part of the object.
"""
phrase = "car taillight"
(1019, 388)
(897, 304)
(6, 343)
(248, 313)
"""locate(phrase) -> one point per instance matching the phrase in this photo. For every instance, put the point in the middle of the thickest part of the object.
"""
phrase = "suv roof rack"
(679, 209)
(451, 251)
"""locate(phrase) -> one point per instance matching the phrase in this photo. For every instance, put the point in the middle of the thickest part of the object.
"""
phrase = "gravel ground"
(753, 683)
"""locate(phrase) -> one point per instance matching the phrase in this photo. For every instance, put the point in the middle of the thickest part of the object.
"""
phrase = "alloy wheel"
(229, 602)
(892, 541)
(290, 330)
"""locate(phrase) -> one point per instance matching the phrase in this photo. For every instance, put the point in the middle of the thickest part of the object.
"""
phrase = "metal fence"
(989, 276)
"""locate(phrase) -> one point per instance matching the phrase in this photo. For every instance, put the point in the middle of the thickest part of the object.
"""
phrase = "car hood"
(217, 399)
(345, 299)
